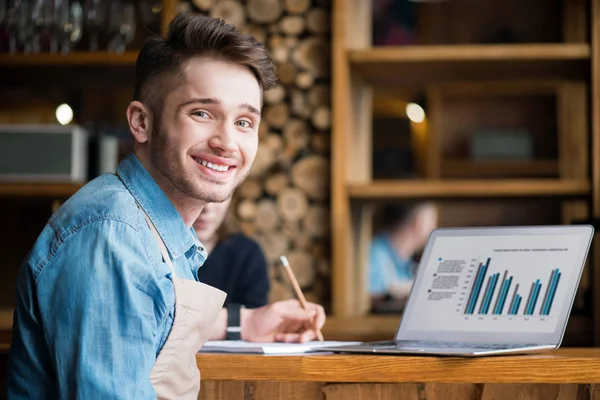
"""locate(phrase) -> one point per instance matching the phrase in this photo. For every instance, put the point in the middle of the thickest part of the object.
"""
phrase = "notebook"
(240, 346)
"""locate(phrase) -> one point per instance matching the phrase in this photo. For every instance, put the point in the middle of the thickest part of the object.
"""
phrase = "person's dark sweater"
(238, 267)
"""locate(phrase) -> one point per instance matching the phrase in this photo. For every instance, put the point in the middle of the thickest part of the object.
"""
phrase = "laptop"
(489, 291)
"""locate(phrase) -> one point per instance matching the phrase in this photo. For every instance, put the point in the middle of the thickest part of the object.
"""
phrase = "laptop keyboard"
(455, 345)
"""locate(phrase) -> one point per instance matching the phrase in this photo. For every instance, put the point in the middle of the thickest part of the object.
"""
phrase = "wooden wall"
(284, 204)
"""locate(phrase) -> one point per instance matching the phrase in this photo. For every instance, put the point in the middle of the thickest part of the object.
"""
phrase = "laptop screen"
(496, 284)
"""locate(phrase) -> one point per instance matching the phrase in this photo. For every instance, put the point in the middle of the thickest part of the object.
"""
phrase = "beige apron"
(175, 374)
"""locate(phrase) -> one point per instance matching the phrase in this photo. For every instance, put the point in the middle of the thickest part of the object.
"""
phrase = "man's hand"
(282, 321)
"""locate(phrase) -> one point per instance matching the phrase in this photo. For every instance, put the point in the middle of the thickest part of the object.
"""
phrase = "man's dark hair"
(394, 216)
(159, 66)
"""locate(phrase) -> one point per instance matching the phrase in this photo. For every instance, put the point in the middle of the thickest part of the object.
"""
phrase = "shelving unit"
(431, 63)
(534, 54)
(96, 85)
(27, 71)
(544, 85)
(463, 188)
(95, 59)
(51, 190)
(452, 168)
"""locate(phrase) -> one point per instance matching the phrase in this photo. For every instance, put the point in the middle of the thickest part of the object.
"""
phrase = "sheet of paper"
(240, 346)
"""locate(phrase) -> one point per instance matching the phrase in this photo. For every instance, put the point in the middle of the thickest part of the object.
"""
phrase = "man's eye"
(201, 114)
(244, 124)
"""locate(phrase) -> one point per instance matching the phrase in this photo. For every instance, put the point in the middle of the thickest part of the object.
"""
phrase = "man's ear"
(139, 118)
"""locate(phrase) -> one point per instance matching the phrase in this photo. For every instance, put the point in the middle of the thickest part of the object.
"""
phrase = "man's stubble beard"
(180, 179)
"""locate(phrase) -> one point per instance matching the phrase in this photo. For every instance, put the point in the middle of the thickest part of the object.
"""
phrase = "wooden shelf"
(72, 59)
(6, 323)
(469, 188)
(38, 189)
(413, 64)
(460, 168)
(6, 319)
(470, 52)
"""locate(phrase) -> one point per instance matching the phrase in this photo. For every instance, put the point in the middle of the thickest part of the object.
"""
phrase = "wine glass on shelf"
(3, 7)
(56, 25)
(12, 23)
(41, 22)
(95, 20)
(71, 24)
(23, 27)
(149, 13)
(121, 26)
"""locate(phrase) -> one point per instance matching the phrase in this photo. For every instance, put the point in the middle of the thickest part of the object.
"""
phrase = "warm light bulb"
(64, 114)
(415, 112)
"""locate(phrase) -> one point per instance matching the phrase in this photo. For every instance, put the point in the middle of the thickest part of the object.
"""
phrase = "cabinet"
(481, 72)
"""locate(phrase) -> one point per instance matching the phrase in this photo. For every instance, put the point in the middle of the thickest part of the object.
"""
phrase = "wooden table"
(564, 374)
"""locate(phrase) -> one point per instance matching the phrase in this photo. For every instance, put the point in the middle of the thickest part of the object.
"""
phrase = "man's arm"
(219, 331)
(99, 313)
(253, 287)
(282, 321)
(400, 289)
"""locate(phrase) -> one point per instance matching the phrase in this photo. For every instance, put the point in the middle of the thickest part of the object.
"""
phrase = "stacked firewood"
(284, 203)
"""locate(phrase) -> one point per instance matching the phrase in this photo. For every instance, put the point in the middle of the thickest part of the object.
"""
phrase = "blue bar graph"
(490, 293)
(518, 305)
(550, 292)
(499, 297)
(533, 295)
(503, 294)
(514, 305)
(485, 292)
(487, 299)
(551, 299)
(514, 301)
(535, 298)
(479, 278)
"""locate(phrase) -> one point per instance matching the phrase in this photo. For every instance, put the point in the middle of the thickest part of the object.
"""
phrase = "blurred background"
(392, 117)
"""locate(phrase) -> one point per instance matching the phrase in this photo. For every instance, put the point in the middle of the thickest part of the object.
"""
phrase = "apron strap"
(161, 244)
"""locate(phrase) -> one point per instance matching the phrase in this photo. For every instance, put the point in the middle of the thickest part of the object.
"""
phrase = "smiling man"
(108, 304)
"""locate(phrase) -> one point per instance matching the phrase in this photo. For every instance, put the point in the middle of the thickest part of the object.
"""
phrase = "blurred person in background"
(236, 263)
(403, 232)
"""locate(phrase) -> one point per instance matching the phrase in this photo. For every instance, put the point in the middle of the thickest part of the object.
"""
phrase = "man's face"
(208, 133)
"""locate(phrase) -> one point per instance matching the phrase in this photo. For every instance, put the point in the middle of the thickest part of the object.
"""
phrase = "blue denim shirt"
(386, 266)
(94, 300)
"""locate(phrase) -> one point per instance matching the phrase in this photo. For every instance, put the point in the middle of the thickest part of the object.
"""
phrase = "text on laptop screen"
(516, 283)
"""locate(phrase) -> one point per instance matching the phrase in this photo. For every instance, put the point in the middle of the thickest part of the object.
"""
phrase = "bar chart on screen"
(499, 293)
(520, 283)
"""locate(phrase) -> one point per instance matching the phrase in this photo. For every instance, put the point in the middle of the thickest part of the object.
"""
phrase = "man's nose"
(224, 138)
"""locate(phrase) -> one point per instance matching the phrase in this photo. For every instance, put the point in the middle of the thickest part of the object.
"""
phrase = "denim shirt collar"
(178, 238)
